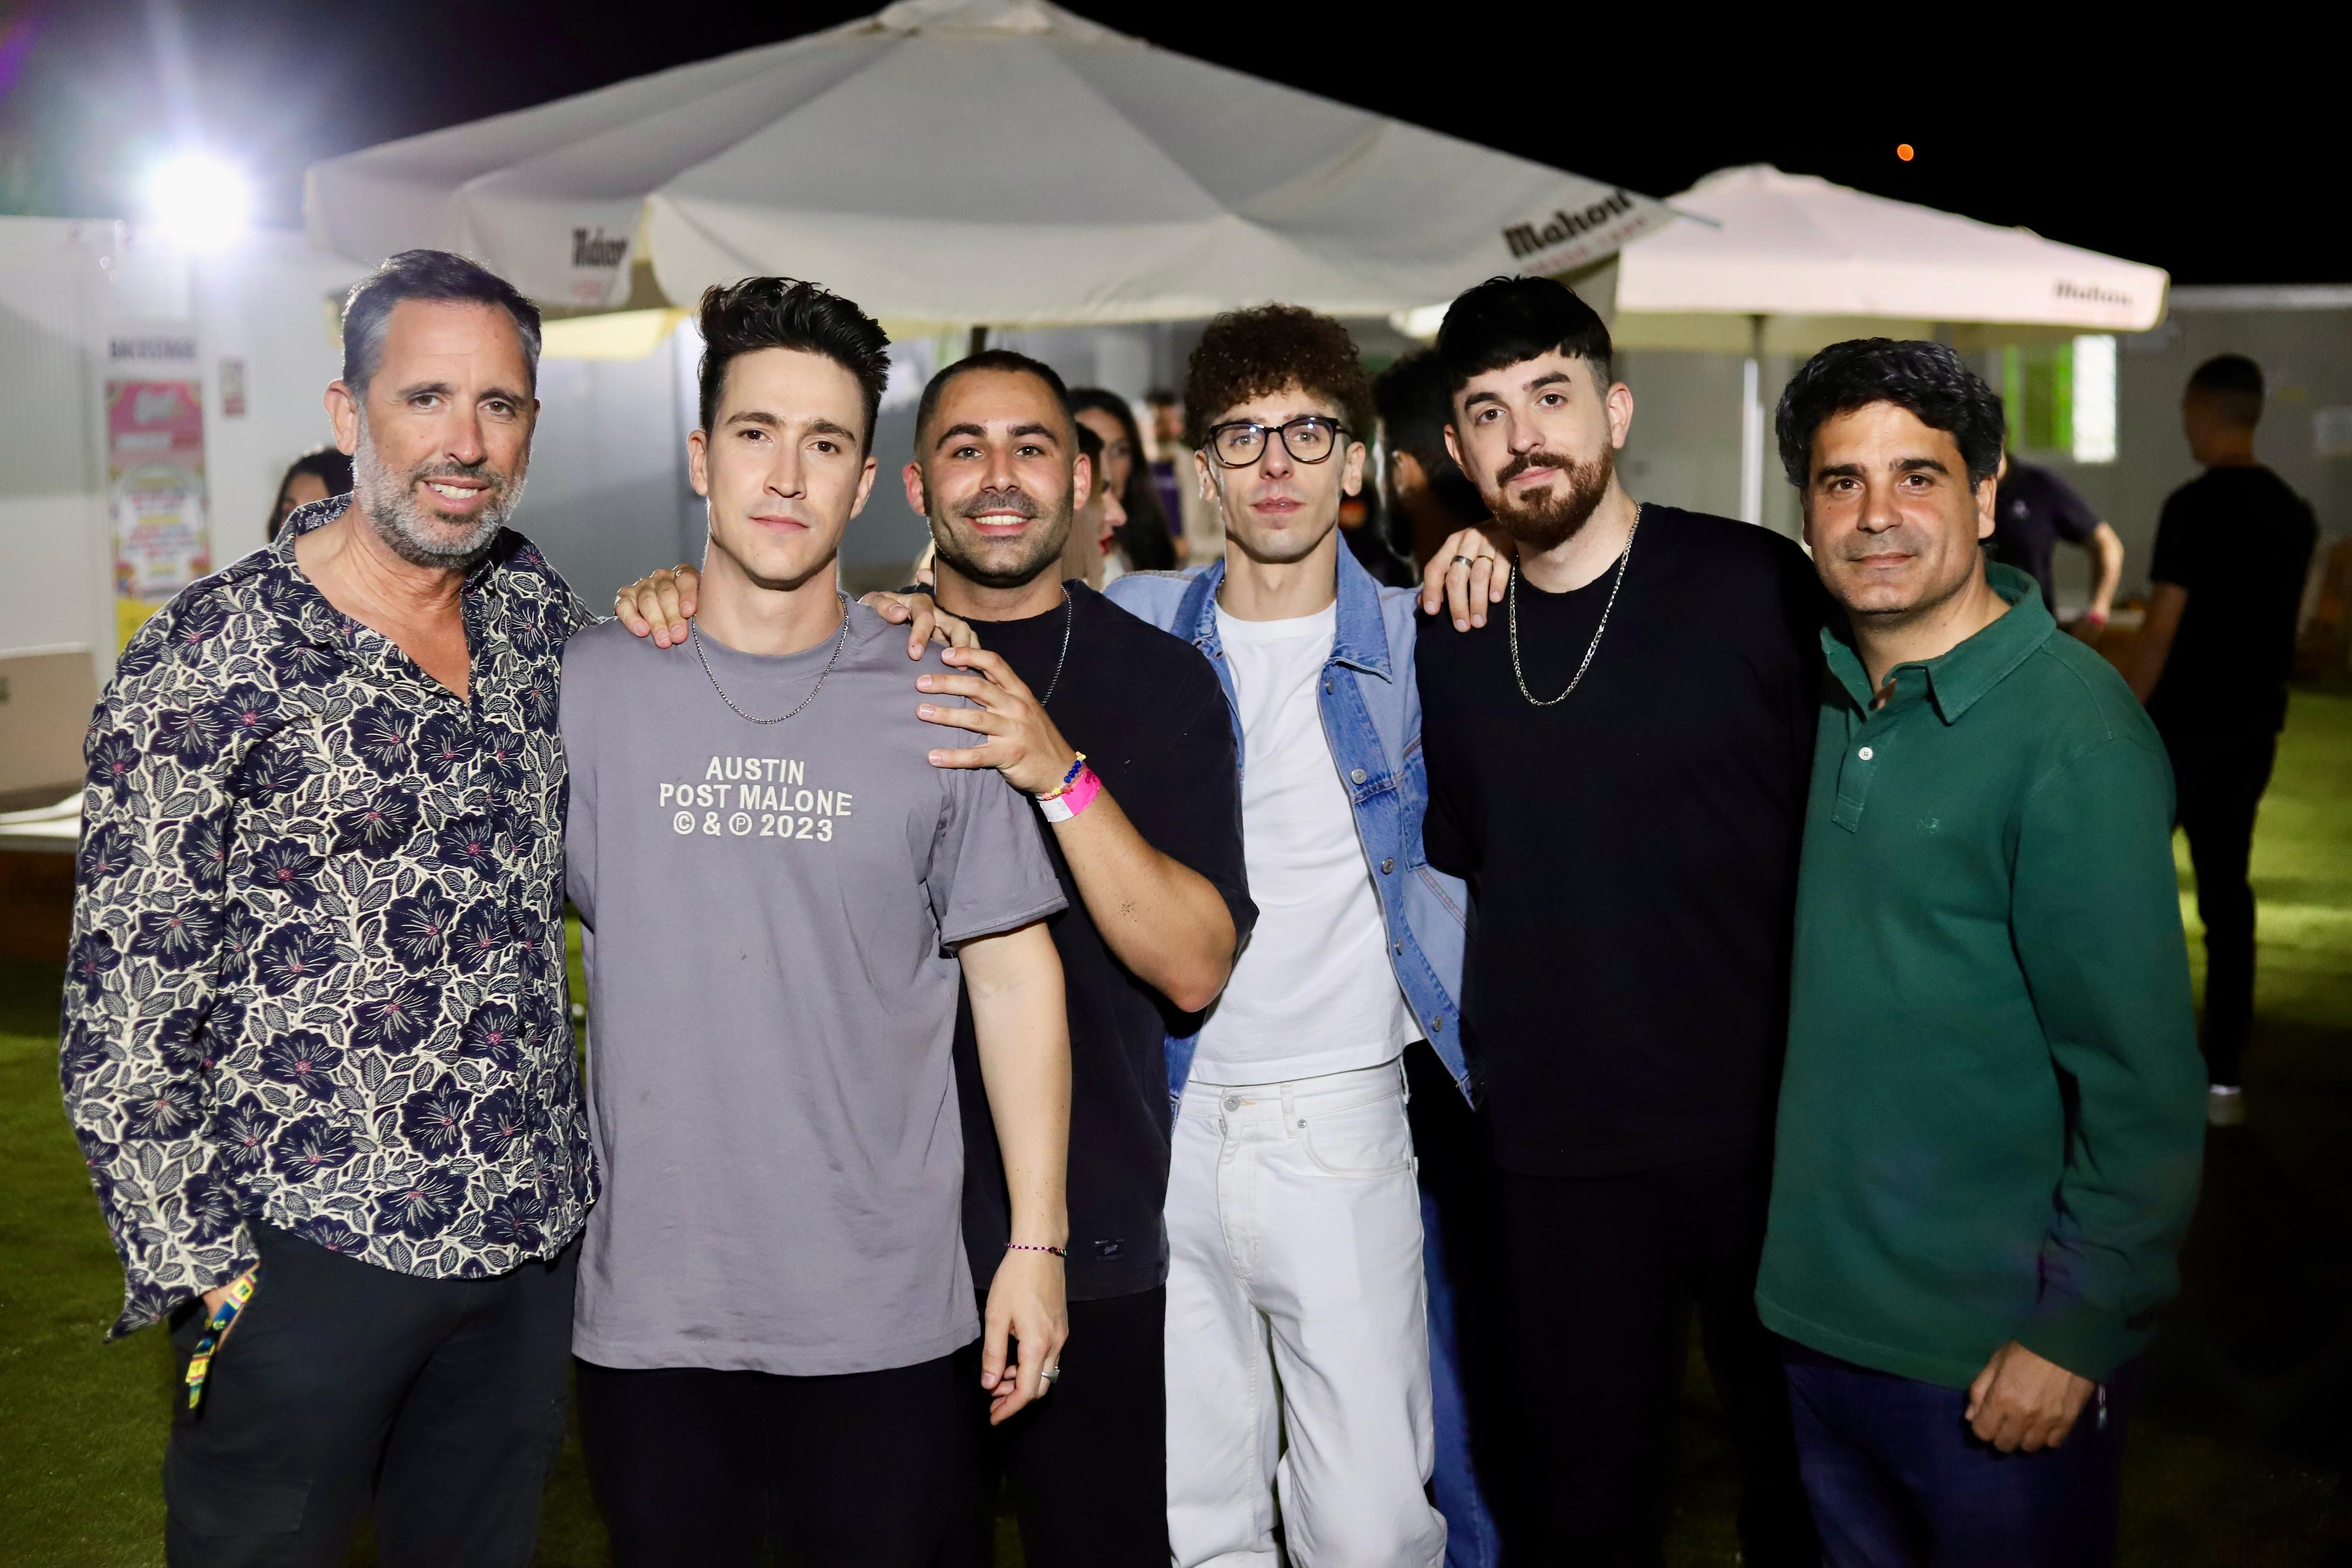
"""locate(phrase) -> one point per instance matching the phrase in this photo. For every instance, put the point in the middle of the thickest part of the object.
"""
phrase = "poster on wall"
(155, 485)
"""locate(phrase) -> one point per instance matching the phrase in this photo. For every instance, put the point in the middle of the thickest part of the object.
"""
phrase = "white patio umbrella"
(972, 162)
(1786, 264)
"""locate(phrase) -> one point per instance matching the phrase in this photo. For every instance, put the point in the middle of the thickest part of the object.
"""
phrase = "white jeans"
(1297, 1337)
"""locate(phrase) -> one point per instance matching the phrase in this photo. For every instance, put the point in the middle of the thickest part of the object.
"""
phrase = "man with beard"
(1620, 776)
(1146, 845)
(316, 1047)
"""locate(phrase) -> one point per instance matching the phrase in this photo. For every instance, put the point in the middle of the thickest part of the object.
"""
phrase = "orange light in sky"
(1903, 151)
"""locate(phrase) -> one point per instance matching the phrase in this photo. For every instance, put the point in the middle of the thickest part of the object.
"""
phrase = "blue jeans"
(1898, 1480)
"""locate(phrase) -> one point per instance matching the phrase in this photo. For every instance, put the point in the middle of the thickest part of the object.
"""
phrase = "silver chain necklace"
(1069, 615)
(1624, 562)
(840, 641)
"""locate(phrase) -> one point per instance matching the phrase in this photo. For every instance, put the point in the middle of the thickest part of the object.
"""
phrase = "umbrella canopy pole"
(1751, 426)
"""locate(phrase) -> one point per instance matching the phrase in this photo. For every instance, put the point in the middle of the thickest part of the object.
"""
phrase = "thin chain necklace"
(1069, 615)
(1624, 562)
(840, 641)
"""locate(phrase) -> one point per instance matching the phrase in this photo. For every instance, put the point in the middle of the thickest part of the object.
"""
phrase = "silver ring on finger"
(1050, 1373)
(1466, 560)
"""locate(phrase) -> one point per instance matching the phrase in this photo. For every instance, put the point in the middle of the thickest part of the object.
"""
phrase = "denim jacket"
(1371, 719)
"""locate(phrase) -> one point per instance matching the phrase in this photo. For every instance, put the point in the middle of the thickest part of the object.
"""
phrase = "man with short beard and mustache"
(1619, 773)
(317, 1050)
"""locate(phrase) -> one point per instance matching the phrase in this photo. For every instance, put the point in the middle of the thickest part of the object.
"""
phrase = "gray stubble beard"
(389, 504)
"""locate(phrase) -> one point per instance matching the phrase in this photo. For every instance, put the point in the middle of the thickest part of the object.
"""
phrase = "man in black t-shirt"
(1620, 774)
(1144, 830)
(2034, 510)
(2233, 550)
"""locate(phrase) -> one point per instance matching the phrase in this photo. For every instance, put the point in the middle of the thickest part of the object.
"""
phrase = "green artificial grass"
(2235, 1458)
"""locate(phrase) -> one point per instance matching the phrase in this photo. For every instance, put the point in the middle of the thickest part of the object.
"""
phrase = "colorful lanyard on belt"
(200, 1364)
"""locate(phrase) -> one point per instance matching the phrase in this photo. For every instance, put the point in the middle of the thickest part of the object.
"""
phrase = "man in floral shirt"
(315, 1040)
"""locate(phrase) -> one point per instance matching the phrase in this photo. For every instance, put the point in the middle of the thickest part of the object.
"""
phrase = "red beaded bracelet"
(1026, 1247)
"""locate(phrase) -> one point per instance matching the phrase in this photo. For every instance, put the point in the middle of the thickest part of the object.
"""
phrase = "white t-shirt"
(1313, 992)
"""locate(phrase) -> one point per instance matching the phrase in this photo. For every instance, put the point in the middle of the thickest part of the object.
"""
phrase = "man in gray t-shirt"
(770, 915)
(781, 900)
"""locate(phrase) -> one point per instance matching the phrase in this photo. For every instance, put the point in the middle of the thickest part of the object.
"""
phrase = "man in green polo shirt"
(1992, 1116)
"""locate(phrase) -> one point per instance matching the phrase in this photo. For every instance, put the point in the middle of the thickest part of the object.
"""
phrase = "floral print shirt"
(317, 971)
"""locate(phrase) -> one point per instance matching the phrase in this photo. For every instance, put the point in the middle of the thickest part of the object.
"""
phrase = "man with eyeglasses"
(1297, 1330)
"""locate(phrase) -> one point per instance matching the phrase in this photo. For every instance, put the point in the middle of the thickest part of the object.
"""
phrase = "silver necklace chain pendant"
(1625, 564)
(1069, 615)
(840, 641)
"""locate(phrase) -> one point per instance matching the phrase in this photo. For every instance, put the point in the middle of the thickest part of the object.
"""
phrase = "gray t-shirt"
(769, 912)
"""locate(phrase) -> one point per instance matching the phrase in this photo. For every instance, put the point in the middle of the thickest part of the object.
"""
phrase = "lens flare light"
(1903, 151)
(200, 199)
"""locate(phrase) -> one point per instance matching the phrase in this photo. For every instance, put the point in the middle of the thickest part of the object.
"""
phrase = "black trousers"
(441, 1399)
(699, 1469)
(2218, 782)
(1603, 1275)
(1087, 1463)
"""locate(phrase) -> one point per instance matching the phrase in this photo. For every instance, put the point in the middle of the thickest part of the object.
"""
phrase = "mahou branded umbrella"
(999, 161)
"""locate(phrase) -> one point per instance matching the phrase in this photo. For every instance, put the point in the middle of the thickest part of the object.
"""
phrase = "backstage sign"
(1567, 239)
(596, 258)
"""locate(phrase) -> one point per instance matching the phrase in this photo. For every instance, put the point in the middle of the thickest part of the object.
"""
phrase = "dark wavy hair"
(426, 275)
(1929, 379)
(1510, 320)
(1144, 540)
(756, 313)
(1248, 353)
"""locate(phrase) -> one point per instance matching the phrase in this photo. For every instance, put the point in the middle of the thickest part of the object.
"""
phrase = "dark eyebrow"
(421, 388)
(970, 431)
(1902, 465)
(1549, 378)
(758, 416)
(827, 427)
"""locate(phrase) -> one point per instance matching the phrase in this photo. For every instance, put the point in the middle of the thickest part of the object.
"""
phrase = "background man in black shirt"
(2233, 550)
(2034, 510)
(1151, 864)
(1621, 777)
(1424, 485)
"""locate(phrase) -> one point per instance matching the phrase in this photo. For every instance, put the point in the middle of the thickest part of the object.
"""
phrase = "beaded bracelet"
(1068, 779)
(1026, 1247)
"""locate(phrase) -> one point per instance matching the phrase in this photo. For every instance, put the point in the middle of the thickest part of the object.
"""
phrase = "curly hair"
(1248, 353)
(1929, 379)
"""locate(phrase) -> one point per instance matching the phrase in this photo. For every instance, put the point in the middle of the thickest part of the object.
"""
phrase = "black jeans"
(2217, 781)
(441, 1398)
(698, 1468)
(1604, 1272)
(1088, 1463)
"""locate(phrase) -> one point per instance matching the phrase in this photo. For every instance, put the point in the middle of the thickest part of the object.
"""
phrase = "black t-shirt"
(1147, 710)
(1631, 851)
(2239, 542)
(2034, 510)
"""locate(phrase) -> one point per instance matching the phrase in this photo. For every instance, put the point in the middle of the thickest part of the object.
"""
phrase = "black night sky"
(2212, 156)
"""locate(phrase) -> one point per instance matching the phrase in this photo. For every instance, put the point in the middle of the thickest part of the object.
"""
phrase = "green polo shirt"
(1992, 1114)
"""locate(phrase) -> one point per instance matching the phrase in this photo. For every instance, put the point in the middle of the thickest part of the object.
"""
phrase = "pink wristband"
(1081, 794)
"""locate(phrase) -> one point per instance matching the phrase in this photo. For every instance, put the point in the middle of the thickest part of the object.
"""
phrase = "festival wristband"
(1073, 798)
(200, 1364)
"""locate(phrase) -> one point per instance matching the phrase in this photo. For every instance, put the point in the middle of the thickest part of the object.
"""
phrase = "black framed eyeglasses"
(1311, 438)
